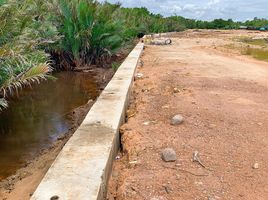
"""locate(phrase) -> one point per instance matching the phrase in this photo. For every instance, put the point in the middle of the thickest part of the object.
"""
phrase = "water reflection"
(34, 121)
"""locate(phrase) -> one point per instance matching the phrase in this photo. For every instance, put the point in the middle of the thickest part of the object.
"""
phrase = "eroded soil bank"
(223, 97)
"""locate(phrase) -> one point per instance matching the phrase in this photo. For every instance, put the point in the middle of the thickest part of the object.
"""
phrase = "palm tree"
(23, 29)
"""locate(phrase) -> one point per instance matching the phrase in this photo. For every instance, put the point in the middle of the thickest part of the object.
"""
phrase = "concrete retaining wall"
(82, 169)
(169, 34)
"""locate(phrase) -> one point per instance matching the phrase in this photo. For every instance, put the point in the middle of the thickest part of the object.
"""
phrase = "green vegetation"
(257, 42)
(257, 48)
(36, 35)
(25, 33)
(260, 54)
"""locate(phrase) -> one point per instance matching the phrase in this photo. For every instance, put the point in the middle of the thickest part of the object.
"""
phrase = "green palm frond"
(31, 76)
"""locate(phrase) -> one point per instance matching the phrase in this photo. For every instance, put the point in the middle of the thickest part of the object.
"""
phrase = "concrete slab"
(82, 169)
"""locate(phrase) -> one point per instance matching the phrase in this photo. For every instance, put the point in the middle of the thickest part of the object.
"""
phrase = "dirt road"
(223, 97)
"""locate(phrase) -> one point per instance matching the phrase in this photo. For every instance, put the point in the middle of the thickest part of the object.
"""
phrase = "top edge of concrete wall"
(163, 34)
(81, 170)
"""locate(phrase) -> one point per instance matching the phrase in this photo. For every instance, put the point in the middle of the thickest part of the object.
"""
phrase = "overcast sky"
(204, 9)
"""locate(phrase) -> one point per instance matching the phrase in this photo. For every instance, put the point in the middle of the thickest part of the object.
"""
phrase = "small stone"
(55, 197)
(256, 166)
(198, 183)
(169, 155)
(141, 63)
(167, 189)
(149, 123)
(178, 176)
(176, 120)
(139, 76)
(117, 157)
(165, 106)
(176, 90)
(133, 162)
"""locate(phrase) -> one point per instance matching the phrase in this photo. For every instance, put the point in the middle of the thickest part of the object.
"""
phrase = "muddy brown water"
(39, 116)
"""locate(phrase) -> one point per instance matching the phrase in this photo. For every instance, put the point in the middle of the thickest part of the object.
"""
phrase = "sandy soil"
(223, 97)
(21, 185)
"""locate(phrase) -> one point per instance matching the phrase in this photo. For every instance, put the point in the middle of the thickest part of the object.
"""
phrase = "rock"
(176, 120)
(55, 197)
(149, 123)
(169, 155)
(139, 76)
(167, 189)
(256, 166)
(146, 123)
(176, 90)
(141, 63)
(165, 106)
(117, 157)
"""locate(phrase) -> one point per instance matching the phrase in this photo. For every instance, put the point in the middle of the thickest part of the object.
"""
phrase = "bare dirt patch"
(223, 97)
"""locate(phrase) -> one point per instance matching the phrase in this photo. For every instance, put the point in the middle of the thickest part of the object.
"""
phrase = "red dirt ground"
(223, 97)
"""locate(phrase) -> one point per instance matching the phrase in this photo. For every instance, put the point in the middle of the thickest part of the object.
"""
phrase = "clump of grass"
(258, 42)
(115, 66)
(251, 41)
(260, 54)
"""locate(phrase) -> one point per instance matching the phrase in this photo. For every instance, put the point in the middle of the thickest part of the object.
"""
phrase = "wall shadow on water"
(35, 119)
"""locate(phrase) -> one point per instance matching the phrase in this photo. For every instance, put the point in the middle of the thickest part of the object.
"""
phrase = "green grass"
(115, 66)
(260, 54)
(251, 41)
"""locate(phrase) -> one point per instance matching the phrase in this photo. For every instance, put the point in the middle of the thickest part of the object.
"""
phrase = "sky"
(238, 10)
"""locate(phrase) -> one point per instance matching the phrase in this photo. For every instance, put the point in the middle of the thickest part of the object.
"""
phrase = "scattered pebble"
(256, 166)
(146, 123)
(117, 157)
(176, 120)
(139, 76)
(55, 197)
(198, 183)
(167, 189)
(133, 162)
(176, 90)
(141, 63)
(165, 106)
(178, 176)
(149, 123)
(169, 155)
